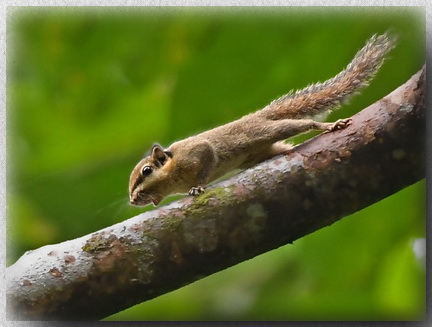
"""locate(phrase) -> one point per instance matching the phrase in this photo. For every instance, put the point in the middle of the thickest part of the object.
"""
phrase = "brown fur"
(189, 164)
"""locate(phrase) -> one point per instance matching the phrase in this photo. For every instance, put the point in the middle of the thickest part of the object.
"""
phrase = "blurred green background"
(89, 91)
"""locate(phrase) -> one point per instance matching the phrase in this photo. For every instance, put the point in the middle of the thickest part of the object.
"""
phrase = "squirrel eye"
(146, 170)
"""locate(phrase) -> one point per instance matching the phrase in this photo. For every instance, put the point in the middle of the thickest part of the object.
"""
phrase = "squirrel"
(190, 164)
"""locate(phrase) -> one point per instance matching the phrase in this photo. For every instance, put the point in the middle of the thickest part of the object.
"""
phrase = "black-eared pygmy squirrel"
(190, 164)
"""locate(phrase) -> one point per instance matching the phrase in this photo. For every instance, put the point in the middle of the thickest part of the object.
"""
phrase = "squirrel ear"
(158, 155)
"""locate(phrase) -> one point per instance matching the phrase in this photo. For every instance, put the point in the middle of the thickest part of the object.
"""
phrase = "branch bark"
(275, 203)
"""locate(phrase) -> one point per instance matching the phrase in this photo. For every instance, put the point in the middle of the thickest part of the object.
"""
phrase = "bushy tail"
(321, 97)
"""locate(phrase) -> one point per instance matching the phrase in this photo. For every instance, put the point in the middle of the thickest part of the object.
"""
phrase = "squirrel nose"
(132, 200)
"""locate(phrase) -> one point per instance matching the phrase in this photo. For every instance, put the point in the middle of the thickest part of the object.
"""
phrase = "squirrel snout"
(135, 199)
(141, 199)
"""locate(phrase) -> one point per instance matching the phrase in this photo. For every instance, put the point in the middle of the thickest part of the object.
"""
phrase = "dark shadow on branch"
(275, 203)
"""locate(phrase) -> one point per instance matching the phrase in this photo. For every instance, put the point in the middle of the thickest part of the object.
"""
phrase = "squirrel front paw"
(339, 124)
(196, 190)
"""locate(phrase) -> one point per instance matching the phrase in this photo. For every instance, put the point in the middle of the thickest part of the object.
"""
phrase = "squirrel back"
(322, 97)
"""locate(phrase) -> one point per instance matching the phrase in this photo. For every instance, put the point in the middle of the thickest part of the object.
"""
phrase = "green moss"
(218, 194)
(98, 242)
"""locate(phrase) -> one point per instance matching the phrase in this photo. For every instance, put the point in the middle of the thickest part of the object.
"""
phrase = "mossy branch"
(275, 203)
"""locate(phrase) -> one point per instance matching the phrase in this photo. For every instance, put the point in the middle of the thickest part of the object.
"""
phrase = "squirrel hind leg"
(279, 148)
(265, 153)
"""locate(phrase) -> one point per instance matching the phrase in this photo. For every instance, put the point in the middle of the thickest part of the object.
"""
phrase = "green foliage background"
(89, 90)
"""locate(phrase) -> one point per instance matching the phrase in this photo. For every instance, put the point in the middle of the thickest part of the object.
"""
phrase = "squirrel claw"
(196, 190)
(340, 124)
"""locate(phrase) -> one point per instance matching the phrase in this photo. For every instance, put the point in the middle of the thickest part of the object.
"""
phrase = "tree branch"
(275, 203)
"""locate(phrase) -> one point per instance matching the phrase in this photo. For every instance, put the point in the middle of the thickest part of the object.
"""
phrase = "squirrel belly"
(190, 164)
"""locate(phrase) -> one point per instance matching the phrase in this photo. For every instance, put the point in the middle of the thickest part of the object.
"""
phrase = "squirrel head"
(148, 180)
